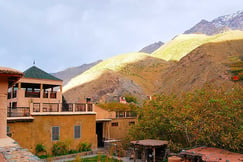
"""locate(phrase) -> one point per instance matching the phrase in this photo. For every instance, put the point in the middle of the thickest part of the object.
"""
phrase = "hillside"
(152, 47)
(223, 23)
(137, 74)
(185, 43)
(209, 63)
(71, 72)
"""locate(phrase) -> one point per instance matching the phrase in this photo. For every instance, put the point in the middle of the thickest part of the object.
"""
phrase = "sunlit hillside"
(185, 43)
(211, 63)
(132, 71)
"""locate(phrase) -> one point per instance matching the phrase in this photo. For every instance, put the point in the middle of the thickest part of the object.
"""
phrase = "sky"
(58, 34)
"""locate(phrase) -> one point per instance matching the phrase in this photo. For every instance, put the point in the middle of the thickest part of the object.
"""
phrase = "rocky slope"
(152, 47)
(207, 64)
(69, 73)
(223, 23)
(136, 74)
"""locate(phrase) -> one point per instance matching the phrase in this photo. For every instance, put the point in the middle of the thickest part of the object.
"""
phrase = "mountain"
(223, 23)
(207, 64)
(136, 74)
(183, 44)
(152, 47)
(200, 59)
(69, 73)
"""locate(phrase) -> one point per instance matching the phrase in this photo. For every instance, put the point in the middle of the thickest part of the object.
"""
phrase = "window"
(77, 131)
(114, 124)
(131, 123)
(55, 133)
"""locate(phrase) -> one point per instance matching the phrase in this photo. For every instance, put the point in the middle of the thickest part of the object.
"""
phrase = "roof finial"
(34, 62)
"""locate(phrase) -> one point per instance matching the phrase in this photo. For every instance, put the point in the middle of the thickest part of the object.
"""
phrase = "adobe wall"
(29, 134)
(122, 130)
(103, 114)
(3, 106)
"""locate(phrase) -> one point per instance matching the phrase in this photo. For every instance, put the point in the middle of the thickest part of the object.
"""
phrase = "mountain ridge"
(220, 24)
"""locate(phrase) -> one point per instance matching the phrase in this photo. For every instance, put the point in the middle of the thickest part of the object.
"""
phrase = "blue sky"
(63, 33)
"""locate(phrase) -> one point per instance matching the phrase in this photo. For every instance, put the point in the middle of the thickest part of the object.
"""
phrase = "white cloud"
(60, 33)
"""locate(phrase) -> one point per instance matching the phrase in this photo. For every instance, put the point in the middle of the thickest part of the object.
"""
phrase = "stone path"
(12, 152)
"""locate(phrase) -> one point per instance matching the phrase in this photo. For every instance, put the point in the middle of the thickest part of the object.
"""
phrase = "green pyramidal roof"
(34, 72)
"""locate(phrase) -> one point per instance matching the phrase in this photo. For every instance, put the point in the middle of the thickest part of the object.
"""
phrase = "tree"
(211, 117)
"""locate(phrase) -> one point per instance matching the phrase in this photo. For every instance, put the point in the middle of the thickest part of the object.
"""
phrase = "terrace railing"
(67, 108)
(50, 107)
(53, 95)
(32, 94)
(80, 107)
(18, 111)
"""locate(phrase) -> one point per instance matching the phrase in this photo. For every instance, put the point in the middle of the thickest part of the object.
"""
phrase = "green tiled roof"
(34, 72)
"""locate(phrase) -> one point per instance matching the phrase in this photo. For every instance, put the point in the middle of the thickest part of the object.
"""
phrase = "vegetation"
(237, 69)
(131, 99)
(210, 117)
(41, 150)
(84, 147)
(63, 148)
(116, 106)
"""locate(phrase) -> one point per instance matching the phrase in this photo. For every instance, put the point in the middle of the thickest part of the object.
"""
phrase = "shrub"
(131, 99)
(59, 148)
(84, 147)
(40, 149)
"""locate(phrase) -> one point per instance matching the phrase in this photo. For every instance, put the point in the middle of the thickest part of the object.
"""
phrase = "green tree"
(211, 117)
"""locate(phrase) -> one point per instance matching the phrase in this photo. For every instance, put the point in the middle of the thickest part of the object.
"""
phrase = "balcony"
(80, 107)
(53, 95)
(32, 94)
(18, 111)
(45, 94)
(67, 108)
(50, 107)
(14, 94)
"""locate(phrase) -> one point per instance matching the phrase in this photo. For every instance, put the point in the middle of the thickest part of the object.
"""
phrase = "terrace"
(50, 108)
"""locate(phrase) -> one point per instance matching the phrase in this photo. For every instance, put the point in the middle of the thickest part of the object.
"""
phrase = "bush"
(84, 147)
(40, 149)
(131, 99)
(59, 148)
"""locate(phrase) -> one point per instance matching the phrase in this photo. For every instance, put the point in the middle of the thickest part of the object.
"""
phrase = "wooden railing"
(32, 94)
(18, 111)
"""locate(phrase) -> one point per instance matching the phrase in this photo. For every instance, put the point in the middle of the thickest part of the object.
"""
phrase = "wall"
(29, 134)
(122, 130)
(103, 114)
(3, 106)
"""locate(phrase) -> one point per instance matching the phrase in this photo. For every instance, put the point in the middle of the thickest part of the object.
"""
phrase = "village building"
(113, 124)
(36, 114)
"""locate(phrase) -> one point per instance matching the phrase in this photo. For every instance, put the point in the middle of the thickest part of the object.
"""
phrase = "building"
(113, 124)
(36, 114)
(9, 149)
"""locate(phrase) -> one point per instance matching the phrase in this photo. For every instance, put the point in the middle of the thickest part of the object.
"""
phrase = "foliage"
(131, 99)
(211, 117)
(63, 148)
(60, 148)
(40, 149)
(84, 147)
(115, 106)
